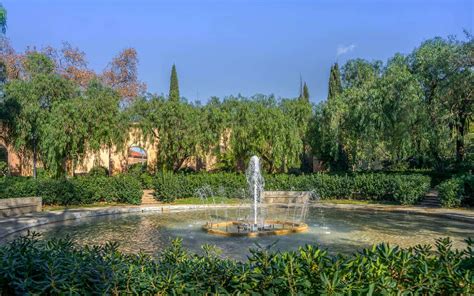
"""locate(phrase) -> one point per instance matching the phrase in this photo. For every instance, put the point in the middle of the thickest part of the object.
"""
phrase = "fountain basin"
(245, 229)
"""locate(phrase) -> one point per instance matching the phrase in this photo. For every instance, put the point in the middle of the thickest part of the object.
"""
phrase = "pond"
(339, 231)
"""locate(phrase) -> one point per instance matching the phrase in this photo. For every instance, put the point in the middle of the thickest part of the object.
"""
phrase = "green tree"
(305, 92)
(3, 19)
(107, 124)
(335, 85)
(444, 69)
(174, 126)
(174, 86)
(30, 103)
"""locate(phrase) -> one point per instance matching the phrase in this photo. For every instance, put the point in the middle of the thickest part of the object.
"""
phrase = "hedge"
(75, 191)
(58, 267)
(404, 189)
(457, 191)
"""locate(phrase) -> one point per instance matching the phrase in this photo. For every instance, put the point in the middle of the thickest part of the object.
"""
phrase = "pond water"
(340, 231)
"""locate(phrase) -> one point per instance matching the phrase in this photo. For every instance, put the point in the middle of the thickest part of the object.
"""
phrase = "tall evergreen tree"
(3, 19)
(305, 95)
(174, 87)
(335, 85)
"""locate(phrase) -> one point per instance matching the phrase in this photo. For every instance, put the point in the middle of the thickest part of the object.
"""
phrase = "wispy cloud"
(341, 49)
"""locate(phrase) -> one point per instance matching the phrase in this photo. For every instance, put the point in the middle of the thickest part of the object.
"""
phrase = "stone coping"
(11, 225)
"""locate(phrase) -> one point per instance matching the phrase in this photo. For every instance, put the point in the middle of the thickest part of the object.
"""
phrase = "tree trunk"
(110, 161)
(461, 128)
(34, 157)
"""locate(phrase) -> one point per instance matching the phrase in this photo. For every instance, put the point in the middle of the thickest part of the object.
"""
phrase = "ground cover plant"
(32, 266)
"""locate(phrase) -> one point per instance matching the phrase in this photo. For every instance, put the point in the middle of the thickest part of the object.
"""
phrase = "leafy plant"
(58, 266)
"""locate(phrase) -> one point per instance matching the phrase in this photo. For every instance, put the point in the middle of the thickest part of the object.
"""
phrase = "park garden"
(388, 132)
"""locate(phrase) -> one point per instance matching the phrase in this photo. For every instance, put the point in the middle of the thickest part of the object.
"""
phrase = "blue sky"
(229, 47)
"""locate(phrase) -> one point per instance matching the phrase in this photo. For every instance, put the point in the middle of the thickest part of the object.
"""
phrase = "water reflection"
(337, 230)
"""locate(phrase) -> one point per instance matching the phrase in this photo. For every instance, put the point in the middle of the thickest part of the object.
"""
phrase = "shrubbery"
(74, 191)
(404, 189)
(31, 266)
(457, 191)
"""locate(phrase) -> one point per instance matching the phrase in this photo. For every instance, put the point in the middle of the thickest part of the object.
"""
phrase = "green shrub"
(169, 187)
(457, 191)
(3, 169)
(58, 267)
(139, 171)
(75, 191)
(99, 171)
(404, 189)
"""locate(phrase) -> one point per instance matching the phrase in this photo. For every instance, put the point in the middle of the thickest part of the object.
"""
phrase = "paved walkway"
(14, 224)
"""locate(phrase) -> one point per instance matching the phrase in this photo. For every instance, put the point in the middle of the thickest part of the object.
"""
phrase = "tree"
(335, 85)
(444, 69)
(122, 75)
(174, 126)
(3, 19)
(305, 92)
(260, 126)
(30, 103)
(107, 125)
(174, 87)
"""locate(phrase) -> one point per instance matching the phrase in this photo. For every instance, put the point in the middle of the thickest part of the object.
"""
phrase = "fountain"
(255, 224)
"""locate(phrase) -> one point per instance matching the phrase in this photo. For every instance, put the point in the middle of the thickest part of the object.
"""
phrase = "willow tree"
(174, 126)
(260, 126)
(31, 102)
(444, 69)
(107, 125)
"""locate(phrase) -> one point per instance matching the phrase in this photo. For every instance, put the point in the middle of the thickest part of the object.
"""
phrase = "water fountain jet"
(258, 226)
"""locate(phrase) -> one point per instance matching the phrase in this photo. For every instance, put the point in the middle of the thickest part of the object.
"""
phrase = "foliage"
(98, 171)
(122, 75)
(404, 189)
(412, 111)
(174, 86)
(3, 168)
(3, 19)
(335, 84)
(74, 191)
(457, 191)
(58, 266)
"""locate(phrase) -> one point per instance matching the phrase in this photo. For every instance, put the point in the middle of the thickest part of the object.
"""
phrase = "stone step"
(148, 197)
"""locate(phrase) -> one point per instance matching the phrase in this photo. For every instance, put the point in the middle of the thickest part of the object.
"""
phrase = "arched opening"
(137, 158)
(3, 161)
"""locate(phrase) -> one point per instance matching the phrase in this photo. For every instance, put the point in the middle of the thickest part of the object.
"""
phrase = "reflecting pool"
(338, 230)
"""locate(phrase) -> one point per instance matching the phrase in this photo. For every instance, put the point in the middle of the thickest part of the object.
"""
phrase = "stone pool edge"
(11, 225)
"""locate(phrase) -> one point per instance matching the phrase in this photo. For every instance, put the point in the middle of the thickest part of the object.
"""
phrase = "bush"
(99, 171)
(75, 191)
(3, 169)
(139, 171)
(56, 267)
(169, 187)
(404, 189)
(457, 191)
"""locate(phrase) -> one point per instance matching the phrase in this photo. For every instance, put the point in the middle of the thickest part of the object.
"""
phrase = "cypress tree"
(305, 92)
(174, 87)
(335, 85)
